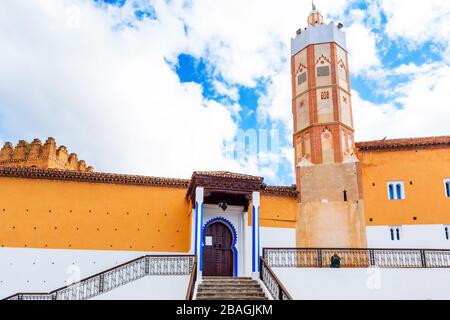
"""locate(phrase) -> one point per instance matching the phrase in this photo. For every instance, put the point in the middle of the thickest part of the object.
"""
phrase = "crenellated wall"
(44, 156)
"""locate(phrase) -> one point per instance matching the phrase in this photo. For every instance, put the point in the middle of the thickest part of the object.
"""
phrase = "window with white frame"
(396, 190)
(395, 233)
(447, 187)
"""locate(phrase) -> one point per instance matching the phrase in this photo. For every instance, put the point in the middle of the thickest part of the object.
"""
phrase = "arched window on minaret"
(327, 146)
(299, 150)
(307, 141)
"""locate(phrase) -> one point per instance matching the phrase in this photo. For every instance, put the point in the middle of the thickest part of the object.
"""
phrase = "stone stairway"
(228, 288)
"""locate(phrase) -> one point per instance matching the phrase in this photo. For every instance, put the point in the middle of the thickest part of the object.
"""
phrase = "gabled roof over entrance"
(224, 182)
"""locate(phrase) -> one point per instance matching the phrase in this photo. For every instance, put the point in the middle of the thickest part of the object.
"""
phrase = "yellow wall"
(74, 215)
(425, 198)
(276, 212)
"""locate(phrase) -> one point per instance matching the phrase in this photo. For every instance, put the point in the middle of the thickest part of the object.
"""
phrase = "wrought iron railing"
(115, 277)
(272, 283)
(192, 280)
(356, 258)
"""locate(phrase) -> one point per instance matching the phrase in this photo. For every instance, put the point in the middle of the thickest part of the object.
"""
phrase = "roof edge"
(91, 177)
(405, 144)
(120, 179)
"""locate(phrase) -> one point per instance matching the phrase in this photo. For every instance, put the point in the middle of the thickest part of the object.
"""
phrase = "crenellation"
(62, 156)
(7, 152)
(82, 166)
(47, 156)
(35, 150)
(72, 162)
(21, 151)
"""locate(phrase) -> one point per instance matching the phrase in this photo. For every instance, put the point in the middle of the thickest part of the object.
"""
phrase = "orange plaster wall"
(276, 212)
(74, 215)
(425, 198)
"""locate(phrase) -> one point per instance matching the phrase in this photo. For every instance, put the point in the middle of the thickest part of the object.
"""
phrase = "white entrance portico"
(225, 219)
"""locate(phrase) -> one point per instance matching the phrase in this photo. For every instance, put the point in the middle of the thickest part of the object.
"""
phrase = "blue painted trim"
(233, 246)
(253, 239)
(391, 192)
(399, 191)
(447, 187)
(259, 240)
(201, 237)
(196, 231)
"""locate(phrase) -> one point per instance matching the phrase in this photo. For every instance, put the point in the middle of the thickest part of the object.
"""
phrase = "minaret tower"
(330, 204)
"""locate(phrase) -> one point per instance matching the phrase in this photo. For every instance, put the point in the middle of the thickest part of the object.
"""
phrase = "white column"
(199, 230)
(255, 235)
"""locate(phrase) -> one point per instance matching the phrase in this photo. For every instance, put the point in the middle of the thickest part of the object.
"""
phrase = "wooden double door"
(218, 253)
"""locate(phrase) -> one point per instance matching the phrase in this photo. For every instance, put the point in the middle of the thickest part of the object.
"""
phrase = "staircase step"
(220, 283)
(228, 288)
(228, 278)
(230, 294)
(232, 298)
(209, 289)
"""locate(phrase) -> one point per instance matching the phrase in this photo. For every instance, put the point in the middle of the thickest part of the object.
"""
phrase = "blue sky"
(174, 82)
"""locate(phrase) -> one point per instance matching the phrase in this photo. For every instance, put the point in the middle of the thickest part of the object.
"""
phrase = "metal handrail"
(115, 277)
(272, 283)
(357, 257)
(192, 280)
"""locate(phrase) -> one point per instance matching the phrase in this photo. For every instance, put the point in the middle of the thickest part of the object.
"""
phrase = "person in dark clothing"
(335, 261)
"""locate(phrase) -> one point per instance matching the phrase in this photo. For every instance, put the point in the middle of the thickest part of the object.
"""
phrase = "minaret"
(330, 204)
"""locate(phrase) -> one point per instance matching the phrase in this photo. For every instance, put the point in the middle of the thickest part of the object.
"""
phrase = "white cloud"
(223, 89)
(362, 46)
(425, 107)
(417, 22)
(109, 96)
(276, 103)
(247, 40)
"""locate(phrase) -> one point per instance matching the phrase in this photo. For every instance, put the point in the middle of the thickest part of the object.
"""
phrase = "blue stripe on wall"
(196, 227)
(201, 238)
(259, 241)
(253, 239)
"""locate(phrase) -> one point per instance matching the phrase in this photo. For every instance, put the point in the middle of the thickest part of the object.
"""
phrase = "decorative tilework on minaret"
(326, 166)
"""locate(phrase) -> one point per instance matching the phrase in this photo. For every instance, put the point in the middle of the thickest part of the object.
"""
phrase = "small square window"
(325, 95)
(396, 190)
(301, 78)
(323, 71)
(395, 233)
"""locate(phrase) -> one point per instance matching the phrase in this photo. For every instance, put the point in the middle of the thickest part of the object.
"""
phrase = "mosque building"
(57, 212)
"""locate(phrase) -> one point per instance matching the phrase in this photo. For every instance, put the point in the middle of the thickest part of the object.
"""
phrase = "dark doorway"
(218, 253)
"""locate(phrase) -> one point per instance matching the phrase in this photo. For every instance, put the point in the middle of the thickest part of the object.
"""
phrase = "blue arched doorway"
(220, 257)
